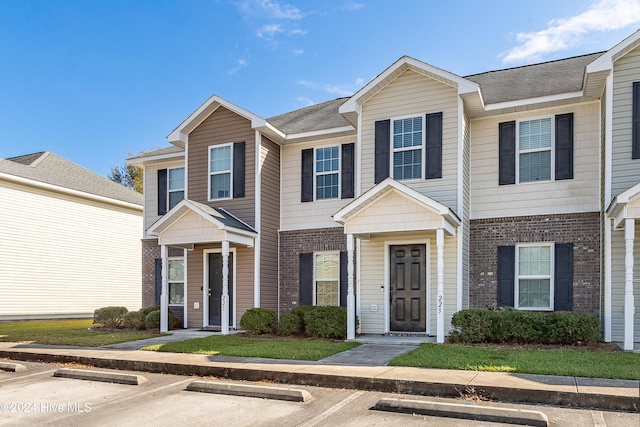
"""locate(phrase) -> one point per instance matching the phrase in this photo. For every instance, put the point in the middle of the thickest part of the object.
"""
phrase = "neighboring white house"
(69, 240)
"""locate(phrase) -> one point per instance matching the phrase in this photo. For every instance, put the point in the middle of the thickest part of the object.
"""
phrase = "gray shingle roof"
(315, 117)
(159, 152)
(224, 216)
(532, 81)
(49, 168)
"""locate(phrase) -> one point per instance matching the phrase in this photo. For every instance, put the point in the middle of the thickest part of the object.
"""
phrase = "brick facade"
(292, 244)
(151, 251)
(582, 229)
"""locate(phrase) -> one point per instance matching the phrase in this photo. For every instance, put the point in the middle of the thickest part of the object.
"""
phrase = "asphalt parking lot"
(36, 397)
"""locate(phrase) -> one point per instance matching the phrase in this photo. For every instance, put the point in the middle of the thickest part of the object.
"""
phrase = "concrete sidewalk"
(357, 369)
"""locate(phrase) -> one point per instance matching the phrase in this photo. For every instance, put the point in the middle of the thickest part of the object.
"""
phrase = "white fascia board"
(605, 62)
(531, 101)
(320, 133)
(142, 160)
(68, 191)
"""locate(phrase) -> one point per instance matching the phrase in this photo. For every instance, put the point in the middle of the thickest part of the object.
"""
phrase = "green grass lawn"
(272, 348)
(65, 332)
(580, 363)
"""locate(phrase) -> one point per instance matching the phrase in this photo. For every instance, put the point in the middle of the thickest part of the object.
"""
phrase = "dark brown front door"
(408, 288)
(215, 289)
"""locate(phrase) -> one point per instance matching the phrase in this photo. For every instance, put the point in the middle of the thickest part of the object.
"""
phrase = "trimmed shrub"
(258, 321)
(326, 322)
(291, 324)
(152, 320)
(134, 320)
(523, 327)
(149, 309)
(109, 317)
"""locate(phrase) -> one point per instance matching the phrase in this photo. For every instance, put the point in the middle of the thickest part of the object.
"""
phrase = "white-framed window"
(175, 187)
(535, 141)
(326, 267)
(176, 280)
(220, 161)
(407, 142)
(534, 276)
(327, 172)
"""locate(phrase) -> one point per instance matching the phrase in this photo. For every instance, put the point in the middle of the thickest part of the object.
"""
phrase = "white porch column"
(351, 296)
(224, 312)
(629, 304)
(164, 293)
(440, 290)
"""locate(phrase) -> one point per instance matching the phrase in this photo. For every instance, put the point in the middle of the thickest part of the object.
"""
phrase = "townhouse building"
(422, 194)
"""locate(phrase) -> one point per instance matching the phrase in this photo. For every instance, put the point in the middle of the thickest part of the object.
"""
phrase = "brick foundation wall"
(292, 244)
(582, 229)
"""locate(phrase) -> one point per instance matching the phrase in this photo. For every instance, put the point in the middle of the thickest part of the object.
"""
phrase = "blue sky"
(93, 81)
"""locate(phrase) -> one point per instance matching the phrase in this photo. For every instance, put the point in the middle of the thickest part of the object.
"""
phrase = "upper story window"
(327, 172)
(535, 150)
(407, 148)
(176, 186)
(220, 161)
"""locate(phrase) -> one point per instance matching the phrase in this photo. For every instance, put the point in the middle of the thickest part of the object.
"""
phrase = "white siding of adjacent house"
(374, 279)
(625, 171)
(151, 190)
(580, 194)
(65, 256)
(294, 214)
(415, 94)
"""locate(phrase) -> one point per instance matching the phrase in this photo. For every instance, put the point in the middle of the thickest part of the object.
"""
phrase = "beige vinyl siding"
(414, 94)
(617, 286)
(296, 215)
(626, 171)
(222, 127)
(580, 194)
(150, 183)
(66, 255)
(372, 308)
(270, 221)
(466, 193)
(243, 298)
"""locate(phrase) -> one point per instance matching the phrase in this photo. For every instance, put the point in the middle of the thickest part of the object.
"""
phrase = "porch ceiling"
(190, 222)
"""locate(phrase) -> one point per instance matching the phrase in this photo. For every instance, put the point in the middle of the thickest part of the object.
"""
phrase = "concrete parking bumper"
(12, 367)
(102, 376)
(263, 392)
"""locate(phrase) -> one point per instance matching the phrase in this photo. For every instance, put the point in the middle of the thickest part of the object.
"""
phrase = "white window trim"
(169, 191)
(393, 150)
(552, 174)
(316, 174)
(210, 174)
(516, 295)
(315, 281)
(183, 281)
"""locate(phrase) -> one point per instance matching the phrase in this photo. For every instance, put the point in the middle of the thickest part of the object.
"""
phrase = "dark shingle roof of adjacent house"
(48, 168)
(533, 81)
(315, 117)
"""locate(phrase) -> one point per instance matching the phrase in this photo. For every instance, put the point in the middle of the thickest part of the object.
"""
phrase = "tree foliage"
(128, 175)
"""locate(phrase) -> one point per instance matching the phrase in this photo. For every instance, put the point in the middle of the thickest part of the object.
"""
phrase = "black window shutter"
(307, 176)
(306, 279)
(635, 130)
(564, 146)
(162, 191)
(158, 279)
(238, 169)
(563, 294)
(344, 279)
(382, 147)
(506, 275)
(507, 153)
(433, 164)
(347, 170)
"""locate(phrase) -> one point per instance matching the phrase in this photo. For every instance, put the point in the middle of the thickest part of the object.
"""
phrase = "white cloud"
(334, 89)
(240, 64)
(271, 9)
(604, 15)
(269, 31)
(350, 6)
(298, 51)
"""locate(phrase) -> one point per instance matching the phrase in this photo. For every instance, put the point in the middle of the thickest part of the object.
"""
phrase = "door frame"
(205, 285)
(387, 280)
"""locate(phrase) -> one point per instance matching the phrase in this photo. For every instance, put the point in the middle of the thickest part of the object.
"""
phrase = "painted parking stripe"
(332, 410)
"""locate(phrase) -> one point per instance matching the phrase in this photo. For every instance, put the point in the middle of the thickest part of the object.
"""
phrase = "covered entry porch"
(215, 242)
(407, 262)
